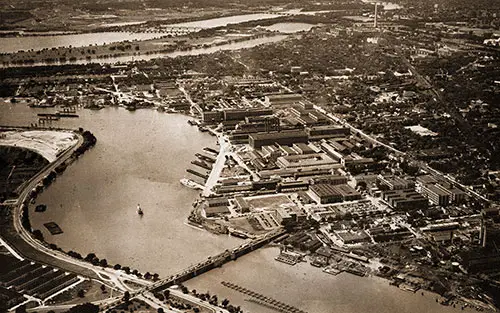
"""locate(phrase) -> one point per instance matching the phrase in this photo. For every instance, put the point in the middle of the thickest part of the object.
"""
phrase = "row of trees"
(211, 299)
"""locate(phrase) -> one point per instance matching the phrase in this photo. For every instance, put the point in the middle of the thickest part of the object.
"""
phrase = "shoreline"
(42, 249)
(134, 50)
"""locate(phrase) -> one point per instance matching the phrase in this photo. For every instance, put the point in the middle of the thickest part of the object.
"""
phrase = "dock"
(56, 115)
(210, 150)
(205, 158)
(202, 164)
(191, 171)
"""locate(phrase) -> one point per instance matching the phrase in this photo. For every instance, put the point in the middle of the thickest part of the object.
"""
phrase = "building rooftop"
(279, 135)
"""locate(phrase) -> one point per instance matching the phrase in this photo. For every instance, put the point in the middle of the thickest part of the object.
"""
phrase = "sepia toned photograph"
(249, 156)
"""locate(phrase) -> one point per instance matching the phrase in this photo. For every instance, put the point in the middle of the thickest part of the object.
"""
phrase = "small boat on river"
(139, 210)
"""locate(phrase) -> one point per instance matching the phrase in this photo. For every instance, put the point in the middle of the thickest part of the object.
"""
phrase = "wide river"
(139, 158)
(13, 44)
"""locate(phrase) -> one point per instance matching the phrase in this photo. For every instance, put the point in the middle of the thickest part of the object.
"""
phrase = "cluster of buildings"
(358, 193)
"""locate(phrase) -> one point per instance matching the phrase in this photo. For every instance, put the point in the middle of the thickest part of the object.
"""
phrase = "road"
(218, 165)
(357, 130)
(79, 266)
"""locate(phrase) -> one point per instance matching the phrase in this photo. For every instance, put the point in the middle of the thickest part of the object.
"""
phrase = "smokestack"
(376, 13)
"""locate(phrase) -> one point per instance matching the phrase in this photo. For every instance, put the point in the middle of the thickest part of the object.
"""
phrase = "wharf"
(332, 271)
(205, 158)
(210, 150)
(287, 259)
(202, 164)
(191, 171)
(57, 115)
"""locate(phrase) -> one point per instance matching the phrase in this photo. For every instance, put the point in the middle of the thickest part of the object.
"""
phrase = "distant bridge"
(171, 29)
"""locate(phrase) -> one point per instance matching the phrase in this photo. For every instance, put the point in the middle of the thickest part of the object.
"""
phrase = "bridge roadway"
(213, 262)
(174, 29)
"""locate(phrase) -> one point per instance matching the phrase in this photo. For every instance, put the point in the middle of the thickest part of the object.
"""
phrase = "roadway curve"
(55, 258)
(35, 250)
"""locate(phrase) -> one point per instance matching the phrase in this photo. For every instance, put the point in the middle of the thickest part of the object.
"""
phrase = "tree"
(126, 297)
(37, 234)
(81, 293)
(103, 263)
(103, 288)
(160, 297)
(85, 308)
(90, 257)
(166, 294)
(160, 310)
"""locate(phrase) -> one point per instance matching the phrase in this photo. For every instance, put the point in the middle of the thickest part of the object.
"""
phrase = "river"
(308, 288)
(139, 158)
(13, 44)
(144, 57)
(223, 21)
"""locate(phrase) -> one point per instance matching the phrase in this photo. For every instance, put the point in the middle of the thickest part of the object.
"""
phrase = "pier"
(56, 115)
(204, 176)
(210, 150)
(205, 158)
(202, 164)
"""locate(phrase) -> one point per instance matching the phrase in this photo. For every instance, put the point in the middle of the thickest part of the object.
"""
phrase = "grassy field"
(92, 292)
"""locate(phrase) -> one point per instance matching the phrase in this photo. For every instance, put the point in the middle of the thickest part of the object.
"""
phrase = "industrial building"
(214, 207)
(288, 215)
(241, 114)
(302, 148)
(318, 160)
(283, 99)
(436, 194)
(351, 237)
(326, 193)
(288, 138)
(439, 192)
(328, 131)
(395, 183)
(242, 205)
(405, 199)
(329, 179)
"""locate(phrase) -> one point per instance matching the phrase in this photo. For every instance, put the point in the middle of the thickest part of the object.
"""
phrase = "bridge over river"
(213, 262)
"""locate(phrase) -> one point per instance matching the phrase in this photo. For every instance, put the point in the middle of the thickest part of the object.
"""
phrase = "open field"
(48, 144)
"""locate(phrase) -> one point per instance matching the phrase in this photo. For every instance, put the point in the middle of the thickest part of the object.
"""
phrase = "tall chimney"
(376, 13)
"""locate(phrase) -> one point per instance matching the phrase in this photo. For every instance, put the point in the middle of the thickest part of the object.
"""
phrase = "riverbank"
(18, 237)
(135, 50)
(310, 289)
